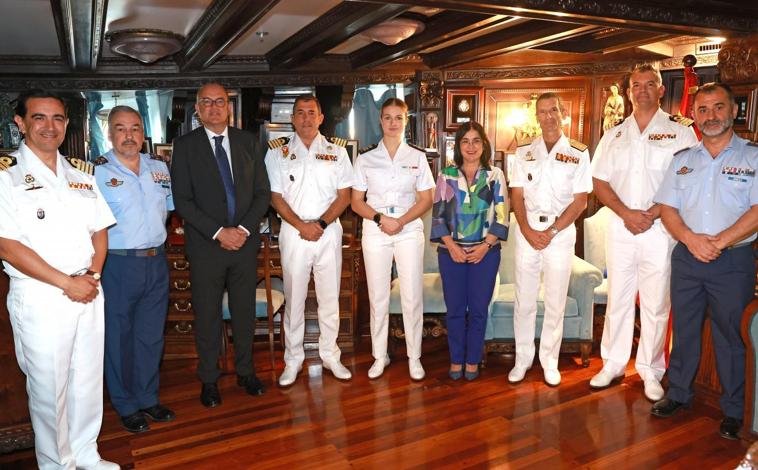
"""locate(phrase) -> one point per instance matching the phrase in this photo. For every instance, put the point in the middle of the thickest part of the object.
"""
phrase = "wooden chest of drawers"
(179, 332)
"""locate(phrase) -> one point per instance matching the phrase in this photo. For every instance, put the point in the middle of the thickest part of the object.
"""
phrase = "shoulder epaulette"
(81, 165)
(276, 143)
(158, 157)
(524, 141)
(577, 145)
(685, 121)
(417, 147)
(681, 151)
(367, 149)
(100, 160)
(338, 141)
(752, 144)
(6, 161)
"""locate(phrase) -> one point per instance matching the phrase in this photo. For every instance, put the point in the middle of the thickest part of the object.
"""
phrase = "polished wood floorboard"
(393, 423)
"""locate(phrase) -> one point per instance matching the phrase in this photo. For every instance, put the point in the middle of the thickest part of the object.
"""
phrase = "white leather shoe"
(341, 372)
(103, 465)
(289, 375)
(653, 390)
(603, 379)
(552, 377)
(377, 369)
(416, 369)
(517, 374)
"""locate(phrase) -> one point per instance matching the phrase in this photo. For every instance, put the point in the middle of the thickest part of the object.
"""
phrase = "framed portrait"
(747, 102)
(147, 145)
(163, 150)
(352, 149)
(462, 105)
(449, 150)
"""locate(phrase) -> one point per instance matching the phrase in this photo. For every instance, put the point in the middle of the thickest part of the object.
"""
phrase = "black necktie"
(226, 177)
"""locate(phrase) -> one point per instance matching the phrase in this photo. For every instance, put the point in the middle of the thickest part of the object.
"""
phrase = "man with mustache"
(627, 168)
(137, 188)
(311, 177)
(53, 241)
(221, 190)
(709, 203)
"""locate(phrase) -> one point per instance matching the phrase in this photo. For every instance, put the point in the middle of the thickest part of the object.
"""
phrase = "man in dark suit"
(221, 190)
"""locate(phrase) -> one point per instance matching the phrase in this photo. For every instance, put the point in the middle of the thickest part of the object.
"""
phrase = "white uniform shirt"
(550, 179)
(634, 163)
(308, 179)
(392, 183)
(53, 214)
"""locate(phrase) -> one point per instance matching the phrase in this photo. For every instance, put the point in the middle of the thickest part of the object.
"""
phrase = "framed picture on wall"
(747, 101)
(352, 149)
(163, 150)
(147, 145)
(462, 105)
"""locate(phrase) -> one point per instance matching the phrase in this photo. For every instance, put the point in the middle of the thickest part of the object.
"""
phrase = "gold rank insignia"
(367, 149)
(524, 141)
(276, 143)
(338, 141)
(81, 165)
(577, 145)
(685, 121)
(6, 161)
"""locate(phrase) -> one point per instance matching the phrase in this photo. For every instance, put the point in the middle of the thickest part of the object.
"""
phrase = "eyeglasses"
(207, 102)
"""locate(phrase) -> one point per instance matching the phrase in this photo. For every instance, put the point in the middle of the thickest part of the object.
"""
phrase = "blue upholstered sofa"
(577, 330)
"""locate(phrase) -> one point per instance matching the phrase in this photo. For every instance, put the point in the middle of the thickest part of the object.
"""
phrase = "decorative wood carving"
(575, 70)
(738, 61)
(431, 91)
(675, 63)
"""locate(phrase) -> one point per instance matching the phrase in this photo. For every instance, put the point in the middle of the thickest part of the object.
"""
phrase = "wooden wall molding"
(675, 63)
(738, 60)
(576, 70)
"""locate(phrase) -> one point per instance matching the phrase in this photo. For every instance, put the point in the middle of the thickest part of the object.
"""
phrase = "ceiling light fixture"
(145, 45)
(393, 31)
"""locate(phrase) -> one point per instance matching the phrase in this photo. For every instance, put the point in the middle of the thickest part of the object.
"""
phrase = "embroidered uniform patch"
(326, 157)
(113, 182)
(683, 170)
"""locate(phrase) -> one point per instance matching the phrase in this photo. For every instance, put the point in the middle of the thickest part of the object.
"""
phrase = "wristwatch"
(323, 223)
(554, 230)
(378, 219)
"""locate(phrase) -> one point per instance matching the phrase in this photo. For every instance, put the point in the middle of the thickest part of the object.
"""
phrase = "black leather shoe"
(666, 407)
(135, 422)
(730, 427)
(159, 413)
(210, 397)
(252, 385)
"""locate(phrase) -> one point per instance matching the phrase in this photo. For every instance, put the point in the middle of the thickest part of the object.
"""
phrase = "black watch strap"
(323, 223)
(378, 219)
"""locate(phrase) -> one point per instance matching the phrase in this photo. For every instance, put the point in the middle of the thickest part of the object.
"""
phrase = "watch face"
(96, 276)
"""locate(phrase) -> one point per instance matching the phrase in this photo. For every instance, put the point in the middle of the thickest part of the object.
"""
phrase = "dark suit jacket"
(199, 194)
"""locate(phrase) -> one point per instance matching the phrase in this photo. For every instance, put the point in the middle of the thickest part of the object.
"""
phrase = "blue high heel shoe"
(455, 374)
(471, 375)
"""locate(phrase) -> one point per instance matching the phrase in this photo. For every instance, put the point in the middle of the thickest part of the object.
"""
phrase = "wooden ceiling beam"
(527, 34)
(440, 28)
(673, 16)
(329, 30)
(617, 41)
(223, 22)
(80, 26)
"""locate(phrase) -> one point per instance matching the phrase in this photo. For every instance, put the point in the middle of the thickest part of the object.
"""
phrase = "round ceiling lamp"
(393, 31)
(144, 45)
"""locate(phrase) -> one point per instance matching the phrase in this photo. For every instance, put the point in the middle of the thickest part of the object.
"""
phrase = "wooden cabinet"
(179, 332)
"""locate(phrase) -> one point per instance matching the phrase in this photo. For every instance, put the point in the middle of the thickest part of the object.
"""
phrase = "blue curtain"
(144, 111)
(96, 138)
(368, 131)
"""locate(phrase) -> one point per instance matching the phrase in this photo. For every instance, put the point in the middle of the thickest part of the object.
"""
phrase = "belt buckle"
(543, 218)
(151, 252)
(391, 210)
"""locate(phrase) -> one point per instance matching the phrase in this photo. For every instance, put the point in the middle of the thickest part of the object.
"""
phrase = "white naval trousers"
(59, 346)
(637, 263)
(299, 257)
(407, 249)
(554, 262)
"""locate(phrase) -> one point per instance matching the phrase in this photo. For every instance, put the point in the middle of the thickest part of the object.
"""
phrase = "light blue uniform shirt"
(139, 203)
(712, 193)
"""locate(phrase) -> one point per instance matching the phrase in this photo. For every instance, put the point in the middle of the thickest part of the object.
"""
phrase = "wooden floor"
(393, 423)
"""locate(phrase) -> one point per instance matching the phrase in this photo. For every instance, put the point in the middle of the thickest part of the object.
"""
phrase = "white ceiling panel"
(27, 28)
(284, 20)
